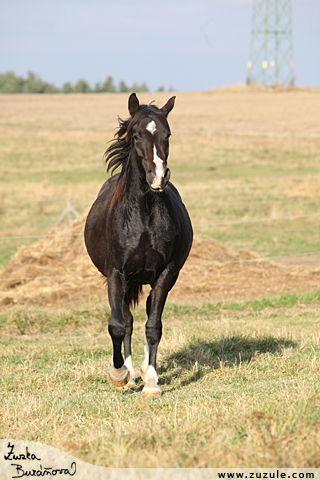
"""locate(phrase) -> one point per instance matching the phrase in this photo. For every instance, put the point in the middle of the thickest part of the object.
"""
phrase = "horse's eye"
(136, 135)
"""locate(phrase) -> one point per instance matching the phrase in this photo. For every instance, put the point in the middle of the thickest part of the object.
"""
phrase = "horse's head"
(150, 134)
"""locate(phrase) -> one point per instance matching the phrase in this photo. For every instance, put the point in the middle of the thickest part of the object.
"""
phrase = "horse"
(138, 232)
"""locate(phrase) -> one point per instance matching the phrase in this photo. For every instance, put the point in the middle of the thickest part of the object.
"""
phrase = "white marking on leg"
(151, 386)
(156, 184)
(145, 363)
(151, 376)
(128, 364)
(151, 127)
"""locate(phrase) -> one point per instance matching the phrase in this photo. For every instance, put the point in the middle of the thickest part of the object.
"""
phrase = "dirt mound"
(57, 271)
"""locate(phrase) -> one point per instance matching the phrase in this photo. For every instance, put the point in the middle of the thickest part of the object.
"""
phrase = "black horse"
(138, 232)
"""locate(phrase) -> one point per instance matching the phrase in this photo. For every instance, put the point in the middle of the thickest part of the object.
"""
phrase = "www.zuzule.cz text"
(273, 475)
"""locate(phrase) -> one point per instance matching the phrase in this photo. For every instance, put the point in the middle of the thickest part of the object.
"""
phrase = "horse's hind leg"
(127, 343)
(145, 363)
(118, 374)
(155, 307)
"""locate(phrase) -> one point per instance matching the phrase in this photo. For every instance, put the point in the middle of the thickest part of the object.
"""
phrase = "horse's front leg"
(118, 374)
(155, 305)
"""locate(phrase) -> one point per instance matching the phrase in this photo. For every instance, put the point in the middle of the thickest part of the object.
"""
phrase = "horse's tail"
(132, 295)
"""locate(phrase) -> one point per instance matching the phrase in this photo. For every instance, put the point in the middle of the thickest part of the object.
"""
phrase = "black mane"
(117, 154)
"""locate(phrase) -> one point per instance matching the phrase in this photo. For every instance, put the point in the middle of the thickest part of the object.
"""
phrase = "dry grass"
(240, 386)
(240, 381)
(64, 258)
(259, 156)
(258, 152)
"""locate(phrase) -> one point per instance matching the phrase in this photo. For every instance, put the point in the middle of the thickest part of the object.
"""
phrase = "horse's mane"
(118, 152)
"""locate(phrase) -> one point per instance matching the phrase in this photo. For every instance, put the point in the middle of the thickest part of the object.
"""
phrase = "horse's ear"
(166, 109)
(133, 104)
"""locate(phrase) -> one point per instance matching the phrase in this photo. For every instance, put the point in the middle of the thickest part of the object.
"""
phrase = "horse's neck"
(136, 195)
(135, 178)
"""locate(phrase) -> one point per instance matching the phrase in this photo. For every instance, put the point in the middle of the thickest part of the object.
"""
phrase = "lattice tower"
(271, 43)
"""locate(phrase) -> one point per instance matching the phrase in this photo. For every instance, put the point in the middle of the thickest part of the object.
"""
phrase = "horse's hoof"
(119, 376)
(151, 392)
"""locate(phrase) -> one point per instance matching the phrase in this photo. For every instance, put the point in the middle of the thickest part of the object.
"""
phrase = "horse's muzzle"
(158, 183)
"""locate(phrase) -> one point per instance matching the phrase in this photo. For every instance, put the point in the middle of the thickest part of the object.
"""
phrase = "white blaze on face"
(160, 171)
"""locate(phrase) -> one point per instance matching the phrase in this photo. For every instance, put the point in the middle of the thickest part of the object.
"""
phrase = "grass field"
(240, 385)
(240, 380)
(257, 153)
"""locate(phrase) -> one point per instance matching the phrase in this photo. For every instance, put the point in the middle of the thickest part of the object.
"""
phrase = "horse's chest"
(146, 252)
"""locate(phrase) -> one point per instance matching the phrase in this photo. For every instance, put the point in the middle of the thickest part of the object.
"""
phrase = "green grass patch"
(257, 179)
(35, 320)
(240, 384)
(58, 159)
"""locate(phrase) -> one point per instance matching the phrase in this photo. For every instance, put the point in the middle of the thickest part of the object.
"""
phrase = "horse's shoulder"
(173, 190)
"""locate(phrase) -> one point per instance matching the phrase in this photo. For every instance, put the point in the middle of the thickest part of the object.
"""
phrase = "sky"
(178, 44)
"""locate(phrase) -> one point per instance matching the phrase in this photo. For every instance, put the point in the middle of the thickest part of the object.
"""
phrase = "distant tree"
(31, 84)
(144, 87)
(139, 88)
(34, 84)
(50, 88)
(67, 87)
(135, 88)
(9, 83)
(123, 87)
(108, 85)
(161, 89)
(81, 87)
(97, 88)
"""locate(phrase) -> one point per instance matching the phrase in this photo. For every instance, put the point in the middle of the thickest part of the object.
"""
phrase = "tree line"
(10, 83)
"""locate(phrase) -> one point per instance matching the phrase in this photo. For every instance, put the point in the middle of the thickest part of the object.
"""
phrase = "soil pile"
(58, 271)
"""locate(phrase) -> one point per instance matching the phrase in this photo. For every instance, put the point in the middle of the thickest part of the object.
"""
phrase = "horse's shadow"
(226, 352)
